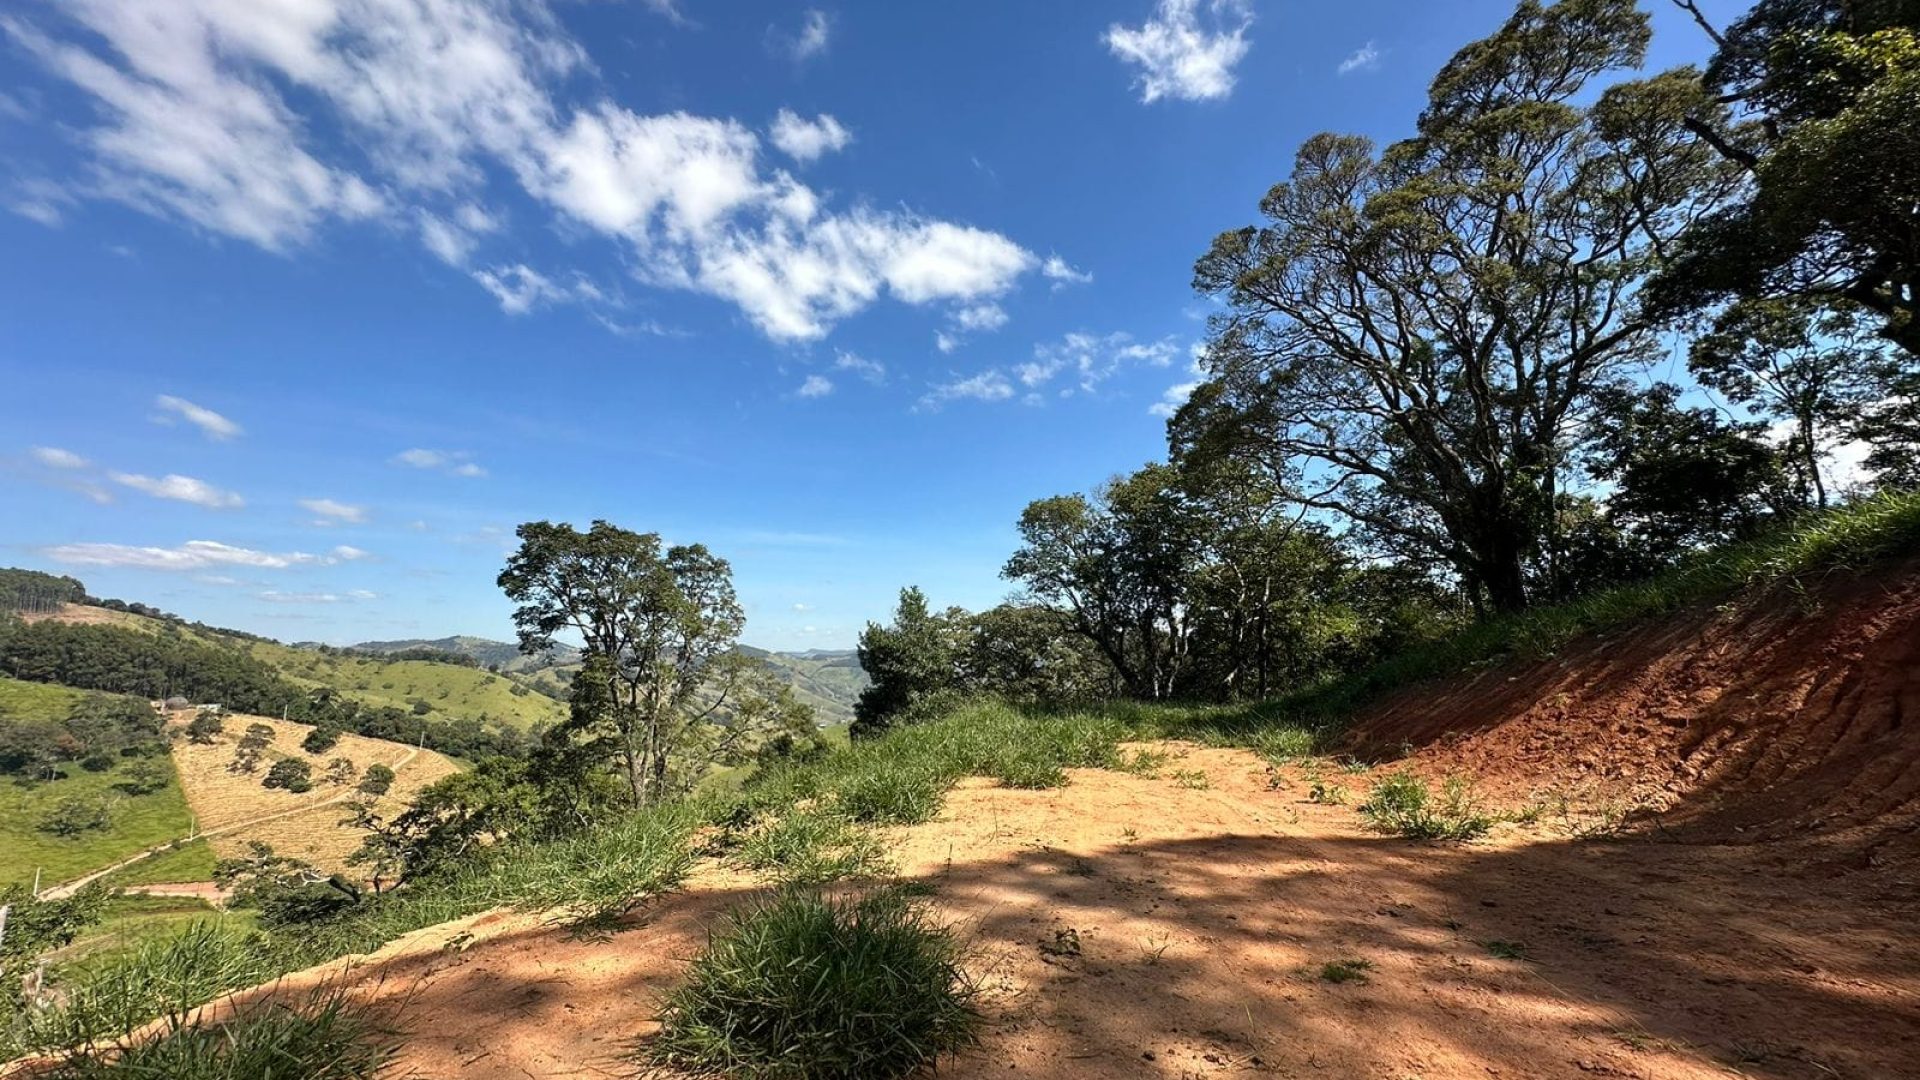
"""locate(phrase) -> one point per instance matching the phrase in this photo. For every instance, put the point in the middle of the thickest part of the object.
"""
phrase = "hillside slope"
(1789, 712)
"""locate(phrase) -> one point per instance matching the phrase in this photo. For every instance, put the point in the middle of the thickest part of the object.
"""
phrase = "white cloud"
(980, 317)
(810, 41)
(55, 458)
(801, 608)
(192, 555)
(275, 596)
(180, 489)
(1172, 398)
(873, 371)
(816, 386)
(806, 140)
(1364, 58)
(945, 341)
(347, 553)
(1180, 58)
(333, 512)
(1062, 273)
(209, 111)
(452, 462)
(211, 424)
(521, 289)
(986, 386)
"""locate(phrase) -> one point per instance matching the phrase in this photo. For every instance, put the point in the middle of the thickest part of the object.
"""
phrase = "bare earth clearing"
(1203, 918)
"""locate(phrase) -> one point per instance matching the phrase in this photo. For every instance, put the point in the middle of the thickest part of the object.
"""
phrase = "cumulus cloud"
(55, 458)
(192, 555)
(180, 489)
(333, 512)
(207, 112)
(816, 386)
(211, 424)
(451, 462)
(1186, 50)
(806, 140)
(347, 553)
(1364, 58)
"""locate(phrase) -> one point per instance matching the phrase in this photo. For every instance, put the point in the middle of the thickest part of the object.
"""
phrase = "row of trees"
(98, 732)
(1426, 394)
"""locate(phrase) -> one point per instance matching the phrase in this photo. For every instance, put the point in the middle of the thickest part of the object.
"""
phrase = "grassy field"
(138, 821)
(449, 690)
(133, 921)
(192, 861)
(221, 798)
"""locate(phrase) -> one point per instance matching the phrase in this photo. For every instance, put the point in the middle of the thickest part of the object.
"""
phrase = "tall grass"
(324, 1037)
(809, 987)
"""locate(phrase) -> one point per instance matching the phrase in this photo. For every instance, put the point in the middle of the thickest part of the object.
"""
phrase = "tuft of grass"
(811, 848)
(1031, 771)
(809, 987)
(1192, 779)
(1403, 804)
(1350, 970)
(1505, 950)
(325, 1037)
(907, 797)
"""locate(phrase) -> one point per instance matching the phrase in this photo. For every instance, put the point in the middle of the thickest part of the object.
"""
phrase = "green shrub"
(322, 1038)
(1403, 804)
(805, 987)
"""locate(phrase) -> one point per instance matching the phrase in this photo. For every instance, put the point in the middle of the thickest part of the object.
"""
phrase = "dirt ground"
(1202, 918)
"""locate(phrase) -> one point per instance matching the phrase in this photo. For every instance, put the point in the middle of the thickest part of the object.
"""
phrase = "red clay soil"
(1790, 714)
(1203, 918)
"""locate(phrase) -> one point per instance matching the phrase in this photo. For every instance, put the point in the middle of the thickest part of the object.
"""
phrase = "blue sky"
(304, 304)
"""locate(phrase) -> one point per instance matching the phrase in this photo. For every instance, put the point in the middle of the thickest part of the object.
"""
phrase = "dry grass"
(221, 799)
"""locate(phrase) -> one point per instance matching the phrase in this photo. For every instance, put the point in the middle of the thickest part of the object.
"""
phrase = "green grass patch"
(324, 1037)
(1345, 971)
(811, 848)
(135, 822)
(1404, 804)
(189, 861)
(807, 987)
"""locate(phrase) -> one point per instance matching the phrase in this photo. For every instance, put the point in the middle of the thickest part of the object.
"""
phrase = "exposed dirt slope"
(1795, 713)
(1202, 918)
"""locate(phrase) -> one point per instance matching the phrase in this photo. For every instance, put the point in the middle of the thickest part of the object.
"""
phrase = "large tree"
(1828, 100)
(657, 625)
(1412, 336)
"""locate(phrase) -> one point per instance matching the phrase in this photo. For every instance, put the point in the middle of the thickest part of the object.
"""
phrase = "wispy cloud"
(55, 458)
(986, 386)
(192, 555)
(452, 462)
(180, 489)
(211, 424)
(1364, 58)
(1182, 55)
(809, 41)
(332, 512)
(873, 371)
(275, 596)
(1062, 273)
(816, 386)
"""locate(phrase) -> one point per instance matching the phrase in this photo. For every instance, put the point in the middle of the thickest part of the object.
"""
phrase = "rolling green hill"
(485, 651)
(449, 690)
